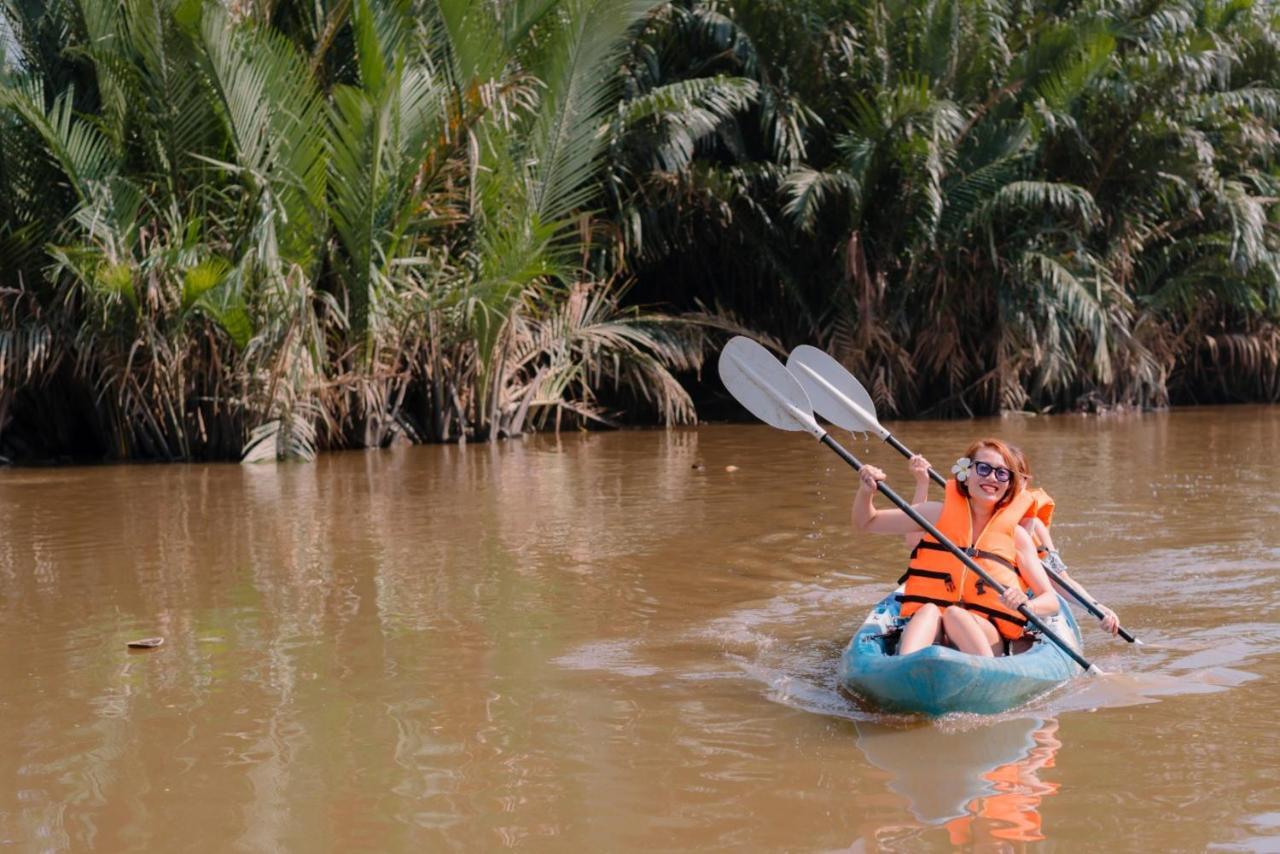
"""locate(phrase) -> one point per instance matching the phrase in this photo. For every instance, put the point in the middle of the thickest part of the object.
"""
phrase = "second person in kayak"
(944, 600)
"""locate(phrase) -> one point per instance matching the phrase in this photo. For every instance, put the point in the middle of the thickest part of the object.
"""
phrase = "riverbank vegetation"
(263, 228)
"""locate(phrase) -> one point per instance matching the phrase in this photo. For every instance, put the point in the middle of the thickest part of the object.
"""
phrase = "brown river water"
(612, 642)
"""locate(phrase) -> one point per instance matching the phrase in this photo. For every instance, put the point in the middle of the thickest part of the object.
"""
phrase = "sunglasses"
(982, 469)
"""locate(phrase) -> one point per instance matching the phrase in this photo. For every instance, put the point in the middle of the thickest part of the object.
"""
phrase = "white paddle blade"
(762, 384)
(834, 392)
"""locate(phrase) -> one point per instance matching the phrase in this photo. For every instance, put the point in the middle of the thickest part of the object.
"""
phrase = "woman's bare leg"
(969, 632)
(923, 629)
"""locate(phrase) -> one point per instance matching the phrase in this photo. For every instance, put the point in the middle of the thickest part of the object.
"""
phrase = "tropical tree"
(986, 181)
(280, 228)
(264, 228)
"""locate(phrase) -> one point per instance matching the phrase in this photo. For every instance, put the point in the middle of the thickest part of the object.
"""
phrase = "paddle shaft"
(1089, 606)
(969, 562)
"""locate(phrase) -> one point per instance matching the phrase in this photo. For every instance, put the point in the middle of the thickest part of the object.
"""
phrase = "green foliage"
(1000, 205)
(267, 229)
(264, 236)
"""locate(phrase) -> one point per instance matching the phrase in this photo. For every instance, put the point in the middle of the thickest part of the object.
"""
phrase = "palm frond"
(1021, 197)
(808, 190)
(579, 67)
(81, 152)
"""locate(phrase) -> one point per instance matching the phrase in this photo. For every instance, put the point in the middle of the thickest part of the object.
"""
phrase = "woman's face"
(989, 488)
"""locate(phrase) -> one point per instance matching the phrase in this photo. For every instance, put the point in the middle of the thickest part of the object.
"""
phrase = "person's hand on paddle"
(919, 468)
(870, 476)
(1013, 597)
(1110, 621)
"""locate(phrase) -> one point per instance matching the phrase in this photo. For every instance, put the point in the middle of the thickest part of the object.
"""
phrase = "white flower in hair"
(961, 468)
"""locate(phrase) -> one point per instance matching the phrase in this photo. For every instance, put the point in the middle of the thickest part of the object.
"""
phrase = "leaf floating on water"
(146, 643)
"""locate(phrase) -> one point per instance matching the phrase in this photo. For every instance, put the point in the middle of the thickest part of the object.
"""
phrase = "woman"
(1036, 523)
(944, 599)
(1037, 526)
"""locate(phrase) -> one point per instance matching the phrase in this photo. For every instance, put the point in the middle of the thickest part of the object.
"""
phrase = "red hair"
(1014, 460)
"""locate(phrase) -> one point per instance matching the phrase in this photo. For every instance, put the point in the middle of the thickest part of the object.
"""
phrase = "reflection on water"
(979, 780)
(615, 642)
(1010, 813)
(983, 762)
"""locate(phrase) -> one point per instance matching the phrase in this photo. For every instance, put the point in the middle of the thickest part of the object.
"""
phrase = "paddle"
(771, 393)
(838, 397)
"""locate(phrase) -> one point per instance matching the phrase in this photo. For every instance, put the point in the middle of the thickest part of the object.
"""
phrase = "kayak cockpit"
(938, 680)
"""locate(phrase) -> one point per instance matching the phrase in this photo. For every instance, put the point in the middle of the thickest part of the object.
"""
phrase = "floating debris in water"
(730, 468)
(146, 643)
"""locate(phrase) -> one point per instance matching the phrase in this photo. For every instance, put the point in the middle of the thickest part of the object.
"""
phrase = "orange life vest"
(1042, 510)
(1042, 505)
(935, 575)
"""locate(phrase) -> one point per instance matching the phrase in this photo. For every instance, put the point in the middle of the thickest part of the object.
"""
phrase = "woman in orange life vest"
(1034, 525)
(1048, 553)
(982, 510)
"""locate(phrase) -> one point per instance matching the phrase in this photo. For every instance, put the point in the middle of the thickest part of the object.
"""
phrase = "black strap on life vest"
(929, 573)
(1015, 618)
(924, 600)
(971, 552)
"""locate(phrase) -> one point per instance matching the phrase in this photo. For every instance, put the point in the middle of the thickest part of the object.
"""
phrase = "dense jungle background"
(266, 228)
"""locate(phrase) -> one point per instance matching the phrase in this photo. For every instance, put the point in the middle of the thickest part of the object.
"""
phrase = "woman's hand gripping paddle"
(771, 393)
(837, 396)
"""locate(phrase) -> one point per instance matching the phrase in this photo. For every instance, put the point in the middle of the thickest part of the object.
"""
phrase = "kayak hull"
(938, 680)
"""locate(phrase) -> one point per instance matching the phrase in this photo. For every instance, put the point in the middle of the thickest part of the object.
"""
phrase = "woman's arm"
(919, 467)
(1044, 601)
(867, 518)
(1039, 532)
(1110, 619)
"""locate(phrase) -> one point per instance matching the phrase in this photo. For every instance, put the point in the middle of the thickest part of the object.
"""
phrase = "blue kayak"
(937, 680)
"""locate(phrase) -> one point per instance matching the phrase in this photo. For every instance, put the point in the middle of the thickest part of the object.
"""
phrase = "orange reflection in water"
(981, 785)
(1011, 813)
